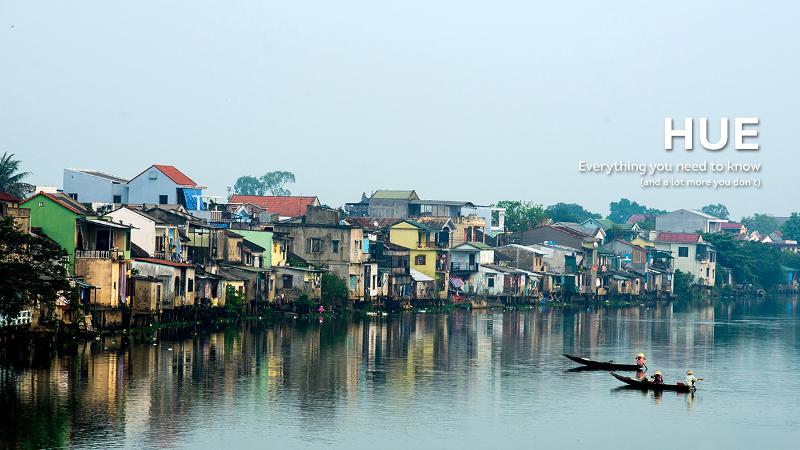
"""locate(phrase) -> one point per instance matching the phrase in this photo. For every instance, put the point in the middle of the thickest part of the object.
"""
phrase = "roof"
(163, 262)
(104, 175)
(172, 173)
(636, 218)
(730, 226)
(475, 245)
(435, 223)
(419, 276)
(442, 202)
(416, 224)
(252, 246)
(395, 194)
(372, 222)
(6, 197)
(65, 201)
(682, 238)
(395, 247)
(284, 206)
(523, 248)
(108, 223)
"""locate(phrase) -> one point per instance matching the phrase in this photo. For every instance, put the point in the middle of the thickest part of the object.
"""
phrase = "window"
(419, 260)
(313, 245)
(177, 288)
(353, 282)
(117, 199)
(163, 199)
(335, 246)
(490, 281)
(287, 281)
(190, 285)
(355, 247)
(103, 240)
(73, 195)
(683, 252)
(712, 256)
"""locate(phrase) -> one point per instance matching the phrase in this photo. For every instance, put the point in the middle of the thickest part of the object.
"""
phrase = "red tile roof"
(172, 173)
(163, 262)
(284, 206)
(682, 238)
(6, 197)
(636, 218)
(730, 226)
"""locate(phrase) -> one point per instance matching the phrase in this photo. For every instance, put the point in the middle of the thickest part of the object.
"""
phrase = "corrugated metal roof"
(394, 194)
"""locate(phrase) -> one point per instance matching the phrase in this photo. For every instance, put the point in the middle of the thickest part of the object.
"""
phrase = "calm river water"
(462, 380)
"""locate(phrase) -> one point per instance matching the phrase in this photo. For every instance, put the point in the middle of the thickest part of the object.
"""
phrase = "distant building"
(691, 254)
(689, 221)
(285, 206)
(91, 186)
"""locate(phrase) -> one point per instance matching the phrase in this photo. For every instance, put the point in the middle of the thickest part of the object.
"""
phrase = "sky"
(461, 100)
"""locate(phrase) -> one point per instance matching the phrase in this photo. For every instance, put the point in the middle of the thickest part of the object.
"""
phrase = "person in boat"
(691, 379)
(658, 378)
(641, 361)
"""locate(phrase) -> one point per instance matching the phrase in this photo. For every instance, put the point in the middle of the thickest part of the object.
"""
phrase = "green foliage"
(234, 301)
(11, 180)
(750, 262)
(763, 223)
(624, 209)
(274, 182)
(271, 183)
(334, 290)
(569, 212)
(683, 283)
(522, 216)
(247, 185)
(719, 210)
(32, 270)
(791, 228)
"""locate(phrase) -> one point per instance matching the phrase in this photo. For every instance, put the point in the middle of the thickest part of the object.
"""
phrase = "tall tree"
(32, 270)
(569, 212)
(522, 216)
(334, 290)
(624, 209)
(717, 210)
(247, 185)
(274, 182)
(791, 228)
(11, 179)
(763, 223)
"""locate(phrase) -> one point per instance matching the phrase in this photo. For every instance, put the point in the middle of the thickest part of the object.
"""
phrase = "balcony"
(432, 245)
(463, 267)
(98, 254)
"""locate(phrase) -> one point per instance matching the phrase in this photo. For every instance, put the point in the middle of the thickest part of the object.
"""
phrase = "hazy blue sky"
(465, 100)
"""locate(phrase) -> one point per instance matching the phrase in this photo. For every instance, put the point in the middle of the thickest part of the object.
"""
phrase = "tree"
(569, 212)
(791, 228)
(274, 182)
(11, 180)
(234, 301)
(247, 185)
(750, 262)
(622, 210)
(32, 270)
(719, 210)
(763, 223)
(334, 290)
(522, 216)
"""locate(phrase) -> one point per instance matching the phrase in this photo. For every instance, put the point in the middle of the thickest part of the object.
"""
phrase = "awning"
(419, 276)
(620, 277)
(457, 283)
(108, 223)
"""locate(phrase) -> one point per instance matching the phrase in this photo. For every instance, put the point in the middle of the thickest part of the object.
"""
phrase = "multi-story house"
(324, 242)
(690, 253)
(689, 221)
(428, 250)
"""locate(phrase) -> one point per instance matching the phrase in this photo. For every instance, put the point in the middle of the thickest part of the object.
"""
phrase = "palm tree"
(11, 180)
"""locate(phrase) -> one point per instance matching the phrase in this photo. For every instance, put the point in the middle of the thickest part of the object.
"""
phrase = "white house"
(689, 221)
(91, 186)
(691, 255)
(158, 239)
(165, 185)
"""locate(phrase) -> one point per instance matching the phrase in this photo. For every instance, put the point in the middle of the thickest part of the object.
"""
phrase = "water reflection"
(311, 381)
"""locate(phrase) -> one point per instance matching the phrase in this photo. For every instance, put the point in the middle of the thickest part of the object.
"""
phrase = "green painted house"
(76, 228)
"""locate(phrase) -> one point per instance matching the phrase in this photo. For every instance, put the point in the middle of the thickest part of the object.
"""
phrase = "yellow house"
(428, 249)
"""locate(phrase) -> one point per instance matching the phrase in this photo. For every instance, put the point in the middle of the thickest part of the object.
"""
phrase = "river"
(478, 379)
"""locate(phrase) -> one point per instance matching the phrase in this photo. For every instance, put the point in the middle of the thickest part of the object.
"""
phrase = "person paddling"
(641, 362)
(691, 379)
(658, 378)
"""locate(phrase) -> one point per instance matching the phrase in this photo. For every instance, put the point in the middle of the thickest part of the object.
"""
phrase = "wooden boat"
(600, 365)
(649, 385)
